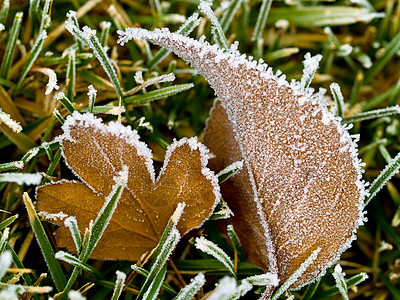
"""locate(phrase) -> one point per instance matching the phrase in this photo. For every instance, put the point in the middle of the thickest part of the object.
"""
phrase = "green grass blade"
(229, 171)
(92, 93)
(66, 102)
(71, 75)
(333, 39)
(165, 286)
(350, 282)
(158, 94)
(341, 285)
(390, 50)
(390, 170)
(74, 261)
(15, 165)
(267, 279)
(8, 222)
(164, 249)
(37, 47)
(108, 110)
(322, 15)
(119, 285)
(154, 288)
(12, 41)
(5, 8)
(88, 36)
(189, 291)
(106, 212)
(45, 19)
(261, 20)
(227, 17)
(102, 56)
(311, 290)
(216, 29)
(338, 97)
(33, 9)
(212, 249)
(105, 31)
(72, 224)
(44, 244)
(283, 288)
(234, 239)
(373, 114)
(96, 229)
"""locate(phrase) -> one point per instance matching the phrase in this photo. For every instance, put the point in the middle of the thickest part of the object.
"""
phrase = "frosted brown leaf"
(96, 153)
(301, 187)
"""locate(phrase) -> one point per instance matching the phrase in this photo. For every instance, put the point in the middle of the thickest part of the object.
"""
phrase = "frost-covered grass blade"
(292, 279)
(340, 281)
(229, 171)
(212, 249)
(164, 249)
(8, 55)
(384, 176)
(158, 94)
(217, 31)
(74, 261)
(119, 285)
(45, 245)
(189, 291)
(373, 114)
(33, 55)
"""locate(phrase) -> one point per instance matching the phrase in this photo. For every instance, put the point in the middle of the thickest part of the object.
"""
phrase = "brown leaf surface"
(301, 183)
(96, 153)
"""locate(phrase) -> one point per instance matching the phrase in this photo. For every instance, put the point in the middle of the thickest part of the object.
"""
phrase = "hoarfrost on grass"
(21, 178)
(92, 92)
(226, 287)
(48, 216)
(52, 84)
(192, 288)
(11, 292)
(6, 119)
(178, 213)
(266, 279)
(5, 262)
(311, 64)
(338, 275)
(212, 249)
(75, 295)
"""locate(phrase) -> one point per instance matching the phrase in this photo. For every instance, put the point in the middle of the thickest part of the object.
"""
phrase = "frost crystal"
(264, 279)
(47, 216)
(5, 262)
(75, 295)
(52, 84)
(192, 288)
(301, 170)
(6, 119)
(226, 287)
(21, 178)
(310, 67)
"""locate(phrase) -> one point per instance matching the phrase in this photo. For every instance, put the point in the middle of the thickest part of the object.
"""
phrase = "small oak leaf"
(300, 188)
(96, 153)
